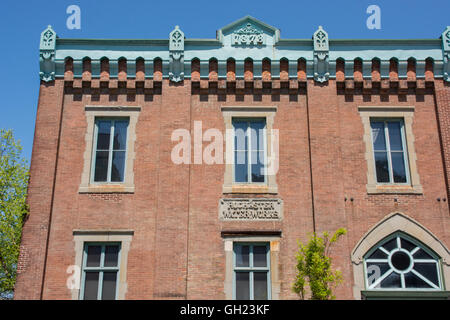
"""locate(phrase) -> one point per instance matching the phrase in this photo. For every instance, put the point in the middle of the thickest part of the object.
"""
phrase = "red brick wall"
(443, 111)
(340, 170)
(174, 210)
(40, 191)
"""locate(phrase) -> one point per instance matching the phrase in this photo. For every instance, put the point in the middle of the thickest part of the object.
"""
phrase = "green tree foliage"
(314, 267)
(13, 208)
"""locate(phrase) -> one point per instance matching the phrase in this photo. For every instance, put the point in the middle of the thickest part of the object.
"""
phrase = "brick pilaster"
(442, 94)
(40, 189)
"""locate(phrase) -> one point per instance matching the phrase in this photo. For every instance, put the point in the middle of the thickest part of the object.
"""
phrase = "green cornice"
(142, 42)
(281, 42)
(235, 41)
(386, 41)
(113, 42)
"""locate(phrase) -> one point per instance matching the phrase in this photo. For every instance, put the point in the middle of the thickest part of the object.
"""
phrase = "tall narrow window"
(389, 146)
(100, 271)
(249, 150)
(110, 150)
(251, 271)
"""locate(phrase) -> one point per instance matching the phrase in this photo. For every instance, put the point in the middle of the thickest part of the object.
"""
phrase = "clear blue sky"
(22, 22)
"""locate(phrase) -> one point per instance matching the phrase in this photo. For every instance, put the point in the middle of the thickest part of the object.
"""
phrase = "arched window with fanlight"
(401, 263)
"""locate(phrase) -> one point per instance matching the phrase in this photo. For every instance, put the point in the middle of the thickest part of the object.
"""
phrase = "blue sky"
(22, 22)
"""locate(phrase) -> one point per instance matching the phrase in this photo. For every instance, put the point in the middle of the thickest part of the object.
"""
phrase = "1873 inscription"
(248, 35)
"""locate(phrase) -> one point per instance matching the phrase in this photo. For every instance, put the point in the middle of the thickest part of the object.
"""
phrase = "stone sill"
(106, 189)
(392, 189)
(250, 189)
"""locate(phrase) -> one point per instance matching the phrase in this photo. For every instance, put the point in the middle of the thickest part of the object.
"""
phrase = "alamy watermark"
(74, 20)
(236, 139)
(73, 281)
(374, 20)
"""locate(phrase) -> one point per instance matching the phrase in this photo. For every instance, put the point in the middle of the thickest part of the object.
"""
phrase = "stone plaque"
(248, 35)
(251, 209)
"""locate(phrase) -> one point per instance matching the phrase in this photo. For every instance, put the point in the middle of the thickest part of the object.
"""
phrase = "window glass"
(242, 285)
(251, 271)
(257, 166)
(118, 166)
(241, 166)
(242, 256)
(259, 256)
(260, 283)
(378, 254)
(104, 132)
(111, 256)
(93, 256)
(379, 141)
(110, 154)
(398, 166)
(120, 135)
(401, 263)
(249, 150)
(109, 285)
(389, 154)
(91, 286)
(395, 136)
(391, 281)
(382, 166)
(100, 271)
(101, 166)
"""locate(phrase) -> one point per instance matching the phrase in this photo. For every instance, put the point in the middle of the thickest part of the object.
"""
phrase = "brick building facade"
(358, 131)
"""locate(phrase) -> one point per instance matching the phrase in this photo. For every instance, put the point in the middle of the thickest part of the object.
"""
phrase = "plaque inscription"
(251, 209)
(248, 35)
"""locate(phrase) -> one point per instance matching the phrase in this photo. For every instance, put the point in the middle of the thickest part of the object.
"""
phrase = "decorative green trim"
(176, 49)
(47, 52)
(245, 21)
(245, 38)
(405, 295)
(446, 53)
(321, 55)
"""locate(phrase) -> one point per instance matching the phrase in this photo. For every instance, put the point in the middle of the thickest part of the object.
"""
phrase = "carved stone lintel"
(262, 209)
(47, 50)
(446, 53)
(321, 55)
(176, 54)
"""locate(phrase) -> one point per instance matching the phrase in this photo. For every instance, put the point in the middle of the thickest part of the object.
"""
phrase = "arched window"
(399, 262)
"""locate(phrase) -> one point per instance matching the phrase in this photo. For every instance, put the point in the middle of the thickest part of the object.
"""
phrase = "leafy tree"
(13, 208)
(314, 267)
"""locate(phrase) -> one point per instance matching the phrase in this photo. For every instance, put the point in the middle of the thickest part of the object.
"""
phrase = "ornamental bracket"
(47, 51)
(446, 53)
(321, 55)
(176, 54)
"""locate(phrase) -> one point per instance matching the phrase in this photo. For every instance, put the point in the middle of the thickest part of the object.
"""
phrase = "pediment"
(248, 31)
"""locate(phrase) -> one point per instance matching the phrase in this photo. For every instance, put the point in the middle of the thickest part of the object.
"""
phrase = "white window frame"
(87, 184)
(100, 269)
(390, 112)
(249, 150)
(252, 269)
(389, 152)
(110, 151)
(274, 252)
(398, 236)
(81, 237)
(249, 112)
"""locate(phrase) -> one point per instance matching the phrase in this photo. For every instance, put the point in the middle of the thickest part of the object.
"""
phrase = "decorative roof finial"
(47, 50)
